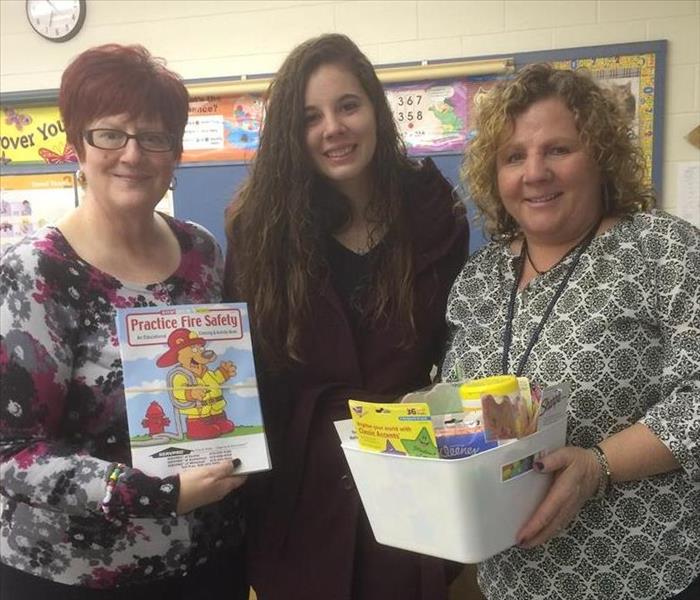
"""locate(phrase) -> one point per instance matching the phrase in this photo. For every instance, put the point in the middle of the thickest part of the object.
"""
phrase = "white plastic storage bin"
(465, 509)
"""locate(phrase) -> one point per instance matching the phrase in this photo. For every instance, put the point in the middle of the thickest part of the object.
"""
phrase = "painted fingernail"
(539, 466)
(236, 463)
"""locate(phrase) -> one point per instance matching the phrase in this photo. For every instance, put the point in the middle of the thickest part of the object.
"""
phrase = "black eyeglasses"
(114, 139)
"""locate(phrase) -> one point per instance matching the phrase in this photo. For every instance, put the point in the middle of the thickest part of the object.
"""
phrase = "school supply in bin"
(190, 387)
(464, 509)
(461, 434)
(470, 417)
(509, 405)
(394, 428)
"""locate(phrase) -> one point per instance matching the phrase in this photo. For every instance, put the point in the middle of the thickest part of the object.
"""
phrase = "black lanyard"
(508, 333)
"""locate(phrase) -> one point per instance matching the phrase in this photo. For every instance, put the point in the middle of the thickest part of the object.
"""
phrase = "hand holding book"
(200, 486)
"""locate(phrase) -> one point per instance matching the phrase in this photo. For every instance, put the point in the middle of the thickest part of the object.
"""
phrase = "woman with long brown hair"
(345, 250)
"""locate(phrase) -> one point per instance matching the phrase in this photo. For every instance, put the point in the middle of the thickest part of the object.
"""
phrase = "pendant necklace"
(526, 251)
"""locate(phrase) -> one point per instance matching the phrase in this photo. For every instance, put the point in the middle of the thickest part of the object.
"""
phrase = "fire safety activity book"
(190, 387)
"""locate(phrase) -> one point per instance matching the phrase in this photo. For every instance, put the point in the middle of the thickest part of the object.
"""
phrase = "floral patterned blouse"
(63, 424)
(626, 335)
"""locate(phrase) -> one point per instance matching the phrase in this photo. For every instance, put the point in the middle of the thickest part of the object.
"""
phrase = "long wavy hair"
(603, 128)
(277, 224)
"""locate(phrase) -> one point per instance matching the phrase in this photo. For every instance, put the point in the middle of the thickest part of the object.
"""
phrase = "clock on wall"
(56, 20)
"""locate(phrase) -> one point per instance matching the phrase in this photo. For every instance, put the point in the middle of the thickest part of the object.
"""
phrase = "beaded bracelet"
(111, 484)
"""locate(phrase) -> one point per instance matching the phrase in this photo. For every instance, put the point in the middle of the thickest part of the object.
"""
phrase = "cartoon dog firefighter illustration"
(195, 388)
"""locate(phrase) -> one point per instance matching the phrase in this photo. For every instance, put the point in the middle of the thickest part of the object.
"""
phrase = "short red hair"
(113, 80)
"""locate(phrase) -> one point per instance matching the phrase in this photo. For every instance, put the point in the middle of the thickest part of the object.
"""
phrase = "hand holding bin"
(465, 509)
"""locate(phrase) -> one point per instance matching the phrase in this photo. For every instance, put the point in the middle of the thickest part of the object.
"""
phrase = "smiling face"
(547, 180)
(129, 178)
(341, 128)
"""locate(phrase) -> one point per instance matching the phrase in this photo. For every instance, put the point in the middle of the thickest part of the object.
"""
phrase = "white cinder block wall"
(222, 38)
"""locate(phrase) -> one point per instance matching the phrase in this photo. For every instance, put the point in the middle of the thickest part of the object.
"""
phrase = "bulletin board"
(29, 201)
(433, 113)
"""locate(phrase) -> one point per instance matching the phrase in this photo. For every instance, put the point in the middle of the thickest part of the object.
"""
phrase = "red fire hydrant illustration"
(155, 420)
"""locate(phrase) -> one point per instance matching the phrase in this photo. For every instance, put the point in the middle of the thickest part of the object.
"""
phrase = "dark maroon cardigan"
(306, 516)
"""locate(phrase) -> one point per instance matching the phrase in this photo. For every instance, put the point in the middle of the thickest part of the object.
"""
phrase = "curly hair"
(603, 128)
(113, 79)
(277, 223)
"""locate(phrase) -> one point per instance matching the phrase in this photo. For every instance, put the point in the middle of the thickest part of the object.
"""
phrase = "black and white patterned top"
(626, 335)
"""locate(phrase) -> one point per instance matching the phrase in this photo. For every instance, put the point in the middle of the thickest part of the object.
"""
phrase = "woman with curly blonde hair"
(583, 283)
(345, 250)
(601, 128)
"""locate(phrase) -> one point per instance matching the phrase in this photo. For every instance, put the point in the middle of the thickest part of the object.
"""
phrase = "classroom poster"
(223, 128)
(476, 90)
(631, 80)
(34, 135)
(28, 202)
(430, 117)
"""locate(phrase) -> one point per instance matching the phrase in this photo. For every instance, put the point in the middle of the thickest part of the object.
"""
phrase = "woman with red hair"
(79, 522)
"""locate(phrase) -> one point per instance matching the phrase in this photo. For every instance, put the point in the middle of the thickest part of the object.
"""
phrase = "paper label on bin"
(518, 467)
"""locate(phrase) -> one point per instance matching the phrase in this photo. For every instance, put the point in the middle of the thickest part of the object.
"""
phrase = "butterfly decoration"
(51, 158)
(19, 120)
